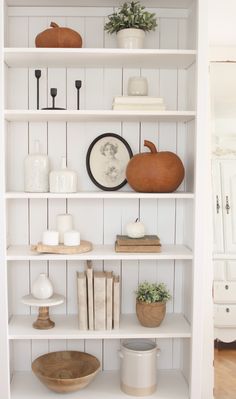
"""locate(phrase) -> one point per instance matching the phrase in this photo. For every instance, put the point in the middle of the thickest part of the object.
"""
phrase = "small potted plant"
(130, 23)
(151, 301)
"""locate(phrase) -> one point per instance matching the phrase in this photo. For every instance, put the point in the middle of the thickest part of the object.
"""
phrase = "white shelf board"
(99, 195)
(98, 57)
(101, 252)
(66, 327)
(97, 115)
(106, 385)
(178, 4)
(224, 256)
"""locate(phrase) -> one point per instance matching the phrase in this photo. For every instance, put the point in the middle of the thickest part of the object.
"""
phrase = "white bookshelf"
(102, 252)
(66, 327)
(171, 384)
(97, 116)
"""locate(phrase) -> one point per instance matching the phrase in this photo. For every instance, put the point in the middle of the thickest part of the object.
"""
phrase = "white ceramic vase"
(130, 38)
(36, 171)
(42, 287)
(63, 180)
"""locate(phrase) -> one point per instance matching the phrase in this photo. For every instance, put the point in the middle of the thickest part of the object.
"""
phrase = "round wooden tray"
(85, 246)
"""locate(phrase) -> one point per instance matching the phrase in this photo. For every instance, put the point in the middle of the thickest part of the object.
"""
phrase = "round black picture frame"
(116, 141)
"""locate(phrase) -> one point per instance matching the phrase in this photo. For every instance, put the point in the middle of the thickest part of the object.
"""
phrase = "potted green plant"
(151, 301)
(130, 22)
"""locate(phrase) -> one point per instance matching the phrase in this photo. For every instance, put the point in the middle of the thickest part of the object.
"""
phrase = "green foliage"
(131, 15)
(152, 292)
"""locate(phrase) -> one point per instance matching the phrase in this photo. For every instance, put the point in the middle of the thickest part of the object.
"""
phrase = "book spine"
(82, 300)
(90, 295)
(99, 301)
(116, 302)
(109, 299)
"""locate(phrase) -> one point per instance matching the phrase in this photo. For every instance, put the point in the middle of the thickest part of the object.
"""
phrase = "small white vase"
(42, 287)
(63, 180)
(36, 171)
(130, 38)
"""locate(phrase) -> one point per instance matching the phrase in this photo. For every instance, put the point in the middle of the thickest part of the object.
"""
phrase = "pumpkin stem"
(151, 146)
(136, 220)
(54, 25)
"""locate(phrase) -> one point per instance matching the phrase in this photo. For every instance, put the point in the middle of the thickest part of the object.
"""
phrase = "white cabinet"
(176, 69)
(224, 205)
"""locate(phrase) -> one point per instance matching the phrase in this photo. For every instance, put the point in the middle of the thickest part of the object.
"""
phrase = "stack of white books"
(98, 299)
(139, 103)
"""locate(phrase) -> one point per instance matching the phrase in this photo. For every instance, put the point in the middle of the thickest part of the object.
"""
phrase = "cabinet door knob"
(226, 287)
(217, 204)
(227, 310)
(227, 206)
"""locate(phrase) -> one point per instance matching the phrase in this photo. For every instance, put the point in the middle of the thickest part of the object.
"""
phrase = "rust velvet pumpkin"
(155, 172)
(57, 36)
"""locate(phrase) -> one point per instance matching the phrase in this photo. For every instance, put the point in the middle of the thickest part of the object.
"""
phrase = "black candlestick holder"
(37, 73)
(53, 92)
(78, 84)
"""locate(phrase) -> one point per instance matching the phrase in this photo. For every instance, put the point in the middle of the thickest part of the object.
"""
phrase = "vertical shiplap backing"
(97, 220)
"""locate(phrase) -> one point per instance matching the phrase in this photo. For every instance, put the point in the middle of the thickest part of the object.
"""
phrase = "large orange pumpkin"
(58, 37)
(155, 172)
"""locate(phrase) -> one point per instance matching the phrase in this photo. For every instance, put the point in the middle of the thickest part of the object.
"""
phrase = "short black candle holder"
(53, 92)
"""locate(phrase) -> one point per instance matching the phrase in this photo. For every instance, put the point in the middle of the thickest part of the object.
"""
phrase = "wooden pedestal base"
(43, 321)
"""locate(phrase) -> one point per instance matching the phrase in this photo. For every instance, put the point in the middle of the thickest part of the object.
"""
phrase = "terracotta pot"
(155, 172)
(150, 314)
(58, 37)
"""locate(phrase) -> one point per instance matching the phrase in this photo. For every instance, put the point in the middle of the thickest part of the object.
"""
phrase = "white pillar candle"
(50, 237)
(71, 238)
(64, 223)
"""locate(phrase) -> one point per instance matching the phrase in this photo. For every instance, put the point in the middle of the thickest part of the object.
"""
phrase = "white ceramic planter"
(42, 287)
(138, 374)
(130, 38)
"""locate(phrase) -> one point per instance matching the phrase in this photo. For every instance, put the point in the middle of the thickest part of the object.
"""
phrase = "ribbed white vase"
(42, 287)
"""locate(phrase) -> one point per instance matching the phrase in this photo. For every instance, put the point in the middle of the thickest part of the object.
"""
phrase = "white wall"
(222, 27)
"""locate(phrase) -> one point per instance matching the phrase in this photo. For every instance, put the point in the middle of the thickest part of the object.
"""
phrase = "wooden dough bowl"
(66, 371)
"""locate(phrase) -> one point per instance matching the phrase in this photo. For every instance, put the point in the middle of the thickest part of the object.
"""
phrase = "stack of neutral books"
(98, 299)
(140, 103)
(148, 243)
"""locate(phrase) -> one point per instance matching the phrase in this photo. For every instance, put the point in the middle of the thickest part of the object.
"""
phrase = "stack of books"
(140, 103)
(98, 299)
(148, 243)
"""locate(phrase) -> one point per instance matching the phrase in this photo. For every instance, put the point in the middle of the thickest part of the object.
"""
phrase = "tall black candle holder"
(78, 84)
(37, 73)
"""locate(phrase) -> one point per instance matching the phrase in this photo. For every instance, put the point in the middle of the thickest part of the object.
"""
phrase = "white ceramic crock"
(130, 38)
(137, 86)
(138, 374)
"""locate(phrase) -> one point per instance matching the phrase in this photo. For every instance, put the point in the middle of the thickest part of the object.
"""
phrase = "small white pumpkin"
(135, 229)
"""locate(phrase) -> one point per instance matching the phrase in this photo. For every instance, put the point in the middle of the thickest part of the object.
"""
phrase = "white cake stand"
(43, 321)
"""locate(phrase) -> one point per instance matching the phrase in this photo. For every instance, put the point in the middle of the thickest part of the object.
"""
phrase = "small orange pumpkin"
(58, 37)
(155, 172)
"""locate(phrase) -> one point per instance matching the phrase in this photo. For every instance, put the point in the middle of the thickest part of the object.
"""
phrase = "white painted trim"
(4, 347)
(223, 54)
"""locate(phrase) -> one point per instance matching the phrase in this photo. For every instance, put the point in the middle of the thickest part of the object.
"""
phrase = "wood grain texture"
(85, 246)
(66, 371)
(150, 314)
(225, 374)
